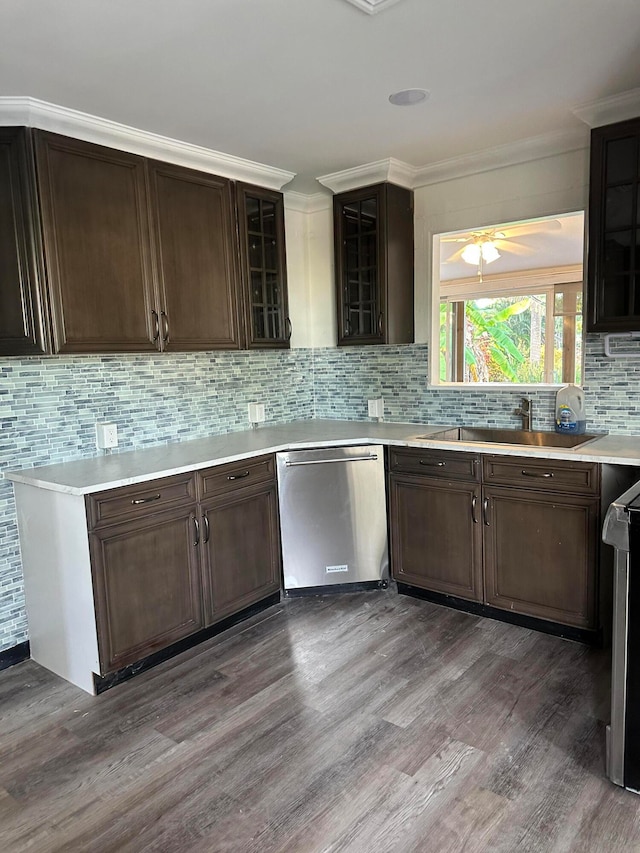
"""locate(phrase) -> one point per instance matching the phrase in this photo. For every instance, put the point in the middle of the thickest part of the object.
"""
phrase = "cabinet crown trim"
(43, 115)
(302, 203)
(381, 171)
(610, 110)
(411, 177)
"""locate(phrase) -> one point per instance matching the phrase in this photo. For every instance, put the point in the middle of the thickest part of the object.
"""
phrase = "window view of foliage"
(505, 340)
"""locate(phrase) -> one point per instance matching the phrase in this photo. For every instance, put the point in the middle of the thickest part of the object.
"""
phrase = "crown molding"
(510, 154)
(45, 116)
(372, 7)
(391, 170)
(610, 110)
(411, 177)
(307, 203)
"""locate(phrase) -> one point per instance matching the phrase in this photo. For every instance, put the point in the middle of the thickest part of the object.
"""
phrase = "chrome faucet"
(525, 411)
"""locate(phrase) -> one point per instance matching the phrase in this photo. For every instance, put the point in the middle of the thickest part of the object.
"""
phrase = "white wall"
(546, 187)
(296, 228)
(312, 305)
(321, 279)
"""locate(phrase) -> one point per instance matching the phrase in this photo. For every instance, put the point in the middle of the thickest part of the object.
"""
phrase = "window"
(509, 303)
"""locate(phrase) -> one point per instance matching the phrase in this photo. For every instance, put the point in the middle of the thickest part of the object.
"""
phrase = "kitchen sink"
(532, 438)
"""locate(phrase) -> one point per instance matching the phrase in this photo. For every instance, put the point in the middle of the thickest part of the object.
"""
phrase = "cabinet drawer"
(435, 463)
(225, 478)
(127, 502)
(550, 475)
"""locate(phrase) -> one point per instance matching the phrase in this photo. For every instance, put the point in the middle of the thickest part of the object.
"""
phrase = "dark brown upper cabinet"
(23, 308)
(613, 289)
(373, 229)
(105, 251)
(195, 256)
(263, 265)
(97, 247)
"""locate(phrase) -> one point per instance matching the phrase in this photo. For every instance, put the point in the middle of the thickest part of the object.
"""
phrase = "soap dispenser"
(570, 414)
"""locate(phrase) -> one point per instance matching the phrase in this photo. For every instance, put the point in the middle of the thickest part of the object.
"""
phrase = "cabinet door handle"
(288, 327)
(238, 476)
(156, 324)
(474, 503)
(485, 512)
(380, 315)
(205, 519)
(165, 323)
(546, 475)
(196, 525)
(138, 501)
(429, 464)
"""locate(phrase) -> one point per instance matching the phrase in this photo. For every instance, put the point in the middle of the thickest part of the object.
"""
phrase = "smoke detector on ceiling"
(372, 7)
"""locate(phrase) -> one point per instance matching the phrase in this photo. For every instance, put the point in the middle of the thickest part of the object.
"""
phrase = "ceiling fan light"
(471, 254)
(489, 252)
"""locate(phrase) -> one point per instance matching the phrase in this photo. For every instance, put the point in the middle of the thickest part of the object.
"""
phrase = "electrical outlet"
(256, 413)
(376, 408)
(106, 436)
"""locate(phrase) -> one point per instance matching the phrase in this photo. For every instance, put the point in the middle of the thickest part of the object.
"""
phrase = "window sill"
(492, 386)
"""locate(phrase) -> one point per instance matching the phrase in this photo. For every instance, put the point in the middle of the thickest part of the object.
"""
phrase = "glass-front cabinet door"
(373, 230)
(614, 228)
(360, 271)
(358, 243)
(262, 256)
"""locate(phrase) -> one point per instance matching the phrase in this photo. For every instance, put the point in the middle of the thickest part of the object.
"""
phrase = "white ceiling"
(303, 84)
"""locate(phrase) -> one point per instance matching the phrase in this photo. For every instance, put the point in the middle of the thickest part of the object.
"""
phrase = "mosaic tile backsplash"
(49, 406)
(345, 378)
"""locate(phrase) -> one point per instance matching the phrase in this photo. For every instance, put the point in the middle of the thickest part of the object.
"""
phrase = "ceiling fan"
(487, 245)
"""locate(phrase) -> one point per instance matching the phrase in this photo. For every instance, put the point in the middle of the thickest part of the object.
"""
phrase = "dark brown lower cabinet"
(241, 549)
(523, 537)
(147, 585)
(541, 554)
(177, 554)
(436, 538)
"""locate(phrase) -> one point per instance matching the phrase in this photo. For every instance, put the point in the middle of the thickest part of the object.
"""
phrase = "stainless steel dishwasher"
(333, 518)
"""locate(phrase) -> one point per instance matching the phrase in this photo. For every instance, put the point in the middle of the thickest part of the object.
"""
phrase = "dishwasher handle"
(327, 461)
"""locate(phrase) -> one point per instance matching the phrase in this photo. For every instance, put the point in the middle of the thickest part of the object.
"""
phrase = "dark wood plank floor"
(368, 722)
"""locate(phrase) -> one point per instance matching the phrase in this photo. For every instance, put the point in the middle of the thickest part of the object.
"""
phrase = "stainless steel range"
(622, 530)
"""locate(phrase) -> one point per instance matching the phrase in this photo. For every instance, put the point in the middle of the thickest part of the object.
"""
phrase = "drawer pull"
(238, 476)
(546, 475)
(138, 501)
(165, 323)
(474, 503)
(431, 464)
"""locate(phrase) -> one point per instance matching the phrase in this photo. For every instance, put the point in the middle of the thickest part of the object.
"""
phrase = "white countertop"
(83, 476)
